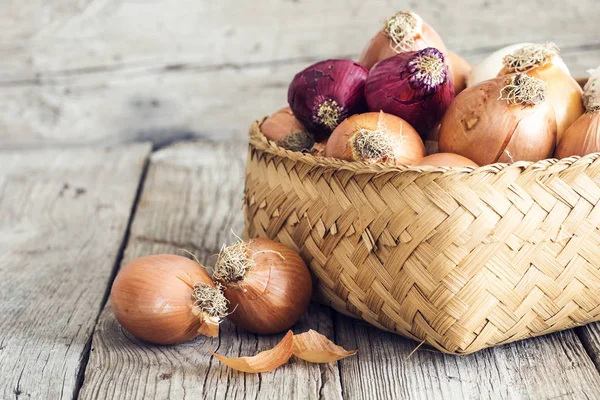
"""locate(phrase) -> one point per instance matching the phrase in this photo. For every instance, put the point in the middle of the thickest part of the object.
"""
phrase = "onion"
(583, 136)
(326, 93)
(564, 93)
(415, 86)
(318, 149)
(491, 66)
(405, 31)
(460, 69)
(167, 299)
(446, 160)
(286, 131)
(267, 284)
(505, 119)
(376, 138)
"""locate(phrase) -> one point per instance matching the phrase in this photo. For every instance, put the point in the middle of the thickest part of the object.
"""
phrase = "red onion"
(326, 93)
(415, 86)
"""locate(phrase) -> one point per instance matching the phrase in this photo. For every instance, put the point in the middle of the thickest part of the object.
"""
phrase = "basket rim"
(259, 141)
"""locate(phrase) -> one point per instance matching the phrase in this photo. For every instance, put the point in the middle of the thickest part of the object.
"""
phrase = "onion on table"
(544, 62)
(583, 137)
(376, 138)
(505, 119)
(267, 284)
(167, 299)
(415, 86)
(286, 131)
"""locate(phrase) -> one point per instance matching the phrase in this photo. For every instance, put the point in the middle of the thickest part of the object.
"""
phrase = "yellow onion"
(376, 138)
(267, 284)
(405, 31)
(490, 67)
(583, 136)
(459, 69)
(505, 119)
(446, 160)
(167, 299)
(284, 129)
(564, 93)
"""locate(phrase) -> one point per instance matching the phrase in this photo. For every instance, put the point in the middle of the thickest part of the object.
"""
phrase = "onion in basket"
(506, 119)
(460, 69)
(491, 66)
(583, 137)
(167, 299)
(446, 160)
(564, 93)
(376, 138)
(405, 31)
(285, 130)
(267, 284)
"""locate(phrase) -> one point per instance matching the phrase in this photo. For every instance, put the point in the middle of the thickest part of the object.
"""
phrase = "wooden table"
(94, 91)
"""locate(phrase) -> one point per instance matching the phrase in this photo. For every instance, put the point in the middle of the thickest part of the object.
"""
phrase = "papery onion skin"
(324, 94)
(485, 129)
(407, 146)
(490, 67)
(446, 160)
(286, 131)
(460, 69)
(151, 298)
(382, 47)
(582, 137)
(274, 293)
(415, 86)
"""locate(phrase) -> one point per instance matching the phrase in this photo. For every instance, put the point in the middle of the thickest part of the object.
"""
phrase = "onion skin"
(491, 66)
(286, 131)
(324, 94)
(381, 46)
(485, 129)
(274, 293)
(446, 160)
(583, 137)
(151, 298)
(396, 86)
(408, 148)
(460, 69)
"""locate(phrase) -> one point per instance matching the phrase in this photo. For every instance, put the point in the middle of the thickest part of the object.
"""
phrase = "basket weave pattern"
(459, 259)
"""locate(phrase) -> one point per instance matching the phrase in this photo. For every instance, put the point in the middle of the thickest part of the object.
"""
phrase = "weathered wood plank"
(549, 367)
(192, 200)
(63, 216)
(162, 71)
(590, 336)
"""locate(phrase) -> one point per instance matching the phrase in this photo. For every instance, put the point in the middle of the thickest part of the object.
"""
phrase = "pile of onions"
(167, 299)
(376, 138)
(415, 86)
(285, 130)
(564, 93)
(583, 137)
(405, 31)
(505, 119)
(267, 284)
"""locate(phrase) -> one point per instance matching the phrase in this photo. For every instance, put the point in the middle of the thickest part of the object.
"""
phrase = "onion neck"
(402, 29)
(328, 113)
(427, 69)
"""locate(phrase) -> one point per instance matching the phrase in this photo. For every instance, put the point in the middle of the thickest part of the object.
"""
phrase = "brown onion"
(376, 138)
(167, 299)
(583, 136)
(564, 93)
(460, 69)
(405, 31)
(446, 160)
(506, 119)
(284, 129)
(267, 284)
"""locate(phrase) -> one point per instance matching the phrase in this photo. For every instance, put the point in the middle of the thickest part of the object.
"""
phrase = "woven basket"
(457, 258)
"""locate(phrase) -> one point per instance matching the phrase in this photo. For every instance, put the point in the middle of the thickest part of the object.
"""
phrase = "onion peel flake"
(313, 347)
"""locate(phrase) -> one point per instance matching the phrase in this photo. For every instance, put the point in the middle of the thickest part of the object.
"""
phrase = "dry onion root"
(286, 131)
(405, 31)
(167, 299)
(506, 119)
(583, 136)
(376, 138)
(564, 93)
(267, 284)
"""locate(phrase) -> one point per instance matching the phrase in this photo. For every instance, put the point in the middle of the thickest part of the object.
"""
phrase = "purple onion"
(415, 86)
(326, 93)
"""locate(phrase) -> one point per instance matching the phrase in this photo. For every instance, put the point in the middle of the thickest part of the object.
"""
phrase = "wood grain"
(63, 216)
(554, 366)
(112, 71)
(192, 199)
